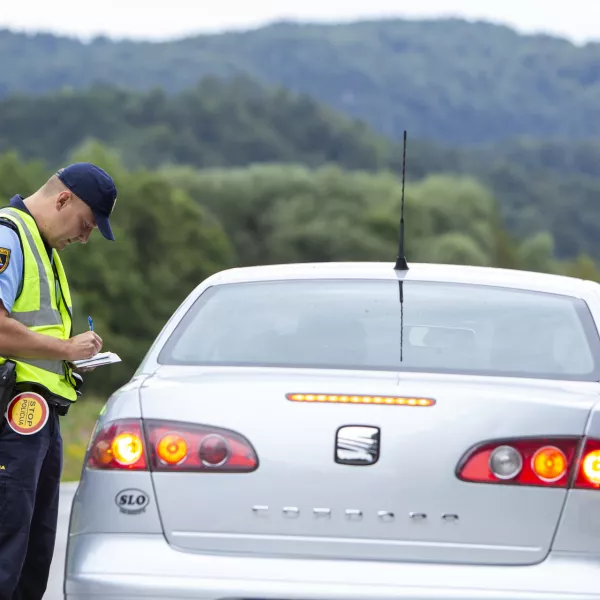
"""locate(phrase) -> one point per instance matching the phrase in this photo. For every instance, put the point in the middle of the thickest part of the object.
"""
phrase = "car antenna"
(401, 264)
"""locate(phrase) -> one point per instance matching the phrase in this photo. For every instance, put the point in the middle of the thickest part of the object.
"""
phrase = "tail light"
(547, 462)
(588, 474)
(186, 447)
(119, 445)
(170, 446)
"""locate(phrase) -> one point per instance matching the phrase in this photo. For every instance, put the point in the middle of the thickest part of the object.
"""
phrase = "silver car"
(347, 431)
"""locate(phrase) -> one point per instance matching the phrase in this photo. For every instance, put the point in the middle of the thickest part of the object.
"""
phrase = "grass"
(76, 429)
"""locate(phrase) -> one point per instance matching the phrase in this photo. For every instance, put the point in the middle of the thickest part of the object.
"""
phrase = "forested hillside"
(447, 80)
(215, 123)
(539, 185)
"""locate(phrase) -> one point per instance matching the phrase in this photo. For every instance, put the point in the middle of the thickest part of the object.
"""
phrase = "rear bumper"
(145, 567)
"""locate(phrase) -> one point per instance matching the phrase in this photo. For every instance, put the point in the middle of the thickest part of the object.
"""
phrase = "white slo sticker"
(132, 501)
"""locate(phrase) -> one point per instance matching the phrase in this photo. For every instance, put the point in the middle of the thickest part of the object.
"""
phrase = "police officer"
(36, 338)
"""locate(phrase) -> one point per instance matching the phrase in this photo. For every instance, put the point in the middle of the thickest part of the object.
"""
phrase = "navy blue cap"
(96, 188)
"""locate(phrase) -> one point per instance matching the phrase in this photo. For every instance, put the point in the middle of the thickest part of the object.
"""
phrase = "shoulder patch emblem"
(4, 258)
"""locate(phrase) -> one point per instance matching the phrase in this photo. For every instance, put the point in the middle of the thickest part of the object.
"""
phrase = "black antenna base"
(401, 264)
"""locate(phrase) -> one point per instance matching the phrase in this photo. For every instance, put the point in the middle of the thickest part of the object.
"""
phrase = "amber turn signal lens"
(127, 448)
(549, 463)
(591, 467)
(172, 448)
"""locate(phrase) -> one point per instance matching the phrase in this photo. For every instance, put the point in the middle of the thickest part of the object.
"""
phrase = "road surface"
(54, 591)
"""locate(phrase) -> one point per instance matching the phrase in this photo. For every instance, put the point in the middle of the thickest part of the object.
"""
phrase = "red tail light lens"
(119, 445)
(170, 446)
(538, 462)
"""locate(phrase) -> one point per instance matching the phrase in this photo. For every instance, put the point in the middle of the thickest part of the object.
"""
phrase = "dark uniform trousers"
(30, 471)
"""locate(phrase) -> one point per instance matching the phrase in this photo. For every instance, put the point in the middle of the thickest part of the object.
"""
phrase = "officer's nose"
(88, 231)
(83, 238)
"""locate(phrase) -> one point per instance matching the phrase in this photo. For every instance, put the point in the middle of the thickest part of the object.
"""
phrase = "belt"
(61, 405)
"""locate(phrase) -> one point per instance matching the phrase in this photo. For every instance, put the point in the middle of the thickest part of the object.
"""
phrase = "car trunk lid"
(361, 479)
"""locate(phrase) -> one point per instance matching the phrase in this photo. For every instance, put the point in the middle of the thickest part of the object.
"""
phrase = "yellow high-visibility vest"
(42, 308)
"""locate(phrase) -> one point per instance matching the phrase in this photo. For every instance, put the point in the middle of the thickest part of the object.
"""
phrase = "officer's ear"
(63, 199)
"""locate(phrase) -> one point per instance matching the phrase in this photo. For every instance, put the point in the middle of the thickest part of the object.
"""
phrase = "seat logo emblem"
(357, 445)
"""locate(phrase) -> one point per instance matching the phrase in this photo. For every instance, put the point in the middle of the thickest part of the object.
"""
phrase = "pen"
(91, 323)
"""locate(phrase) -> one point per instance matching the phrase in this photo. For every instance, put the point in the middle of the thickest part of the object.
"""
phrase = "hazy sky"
(577, 20)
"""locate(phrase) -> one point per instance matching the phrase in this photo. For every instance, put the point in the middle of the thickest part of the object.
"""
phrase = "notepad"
(102, 358)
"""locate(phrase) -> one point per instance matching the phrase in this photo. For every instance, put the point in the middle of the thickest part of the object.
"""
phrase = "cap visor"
(104, 226)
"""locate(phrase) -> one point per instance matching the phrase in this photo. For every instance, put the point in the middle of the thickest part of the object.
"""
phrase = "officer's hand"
(83, 346)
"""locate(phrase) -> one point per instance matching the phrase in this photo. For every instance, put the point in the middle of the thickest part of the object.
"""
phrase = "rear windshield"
(361, 324)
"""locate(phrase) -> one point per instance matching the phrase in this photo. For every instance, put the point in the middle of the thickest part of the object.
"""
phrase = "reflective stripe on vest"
(38, 313)
(45, 315)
